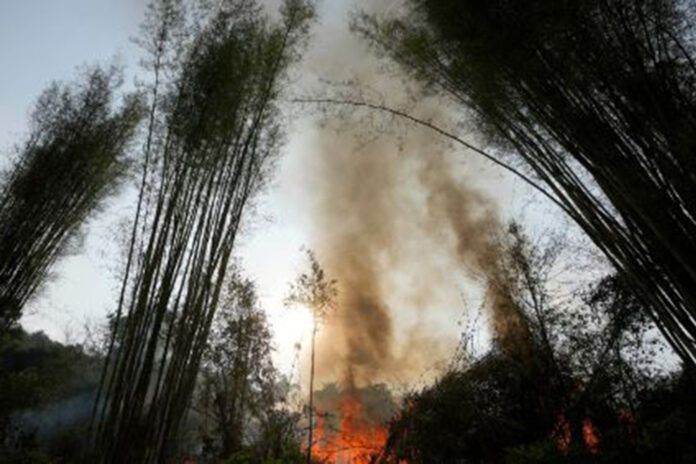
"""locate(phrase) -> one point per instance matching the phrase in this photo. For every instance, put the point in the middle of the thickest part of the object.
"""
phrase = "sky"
(45, 40)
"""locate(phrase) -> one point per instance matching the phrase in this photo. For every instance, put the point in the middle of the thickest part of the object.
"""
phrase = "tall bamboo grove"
(216, 130)
(597, 98)
(71, 161)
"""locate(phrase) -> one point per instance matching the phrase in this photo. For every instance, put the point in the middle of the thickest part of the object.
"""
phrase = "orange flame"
(561, 434)
(589, 435)
(356, 441)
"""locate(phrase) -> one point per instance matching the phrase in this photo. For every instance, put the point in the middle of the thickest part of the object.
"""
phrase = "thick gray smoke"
(397, 228)
(398, 223)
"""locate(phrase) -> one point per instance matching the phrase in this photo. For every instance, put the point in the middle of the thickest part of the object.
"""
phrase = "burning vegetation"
(348, 435)
(594, 98)
(352, 423)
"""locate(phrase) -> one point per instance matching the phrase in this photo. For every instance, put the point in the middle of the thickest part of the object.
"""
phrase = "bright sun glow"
(290, 326)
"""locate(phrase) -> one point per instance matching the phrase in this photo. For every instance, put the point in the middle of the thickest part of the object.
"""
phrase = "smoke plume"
(400, 227)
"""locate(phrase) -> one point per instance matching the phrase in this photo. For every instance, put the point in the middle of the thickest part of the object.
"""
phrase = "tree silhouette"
(217, 131)
(597, 98)
(317, 293)
(237, 373)
(71, 161)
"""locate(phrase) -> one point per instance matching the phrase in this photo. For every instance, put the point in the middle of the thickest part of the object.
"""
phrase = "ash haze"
(337, 189)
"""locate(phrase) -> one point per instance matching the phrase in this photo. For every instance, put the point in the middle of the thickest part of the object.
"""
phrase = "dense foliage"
(597, 98)
(580, 383)
(211, 140)
(240, 402)
(74, 154)
(47, 390)
(490, 412)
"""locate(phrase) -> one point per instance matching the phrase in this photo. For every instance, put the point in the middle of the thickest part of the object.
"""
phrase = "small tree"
(237, 372)
(317, 293)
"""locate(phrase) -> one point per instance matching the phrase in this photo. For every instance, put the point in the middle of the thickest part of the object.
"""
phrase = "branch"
(439, 130)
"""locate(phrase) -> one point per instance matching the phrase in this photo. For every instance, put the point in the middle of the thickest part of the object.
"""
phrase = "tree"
(581, 371)
(218, 131)
(596, 97)
(47, 389)
(237, 376)
(597, 336)
(317, 293)
(239, 392)
(279, 437)
(74, 155)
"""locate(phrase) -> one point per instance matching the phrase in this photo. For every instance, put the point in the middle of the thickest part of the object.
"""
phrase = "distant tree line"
(46, 394)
